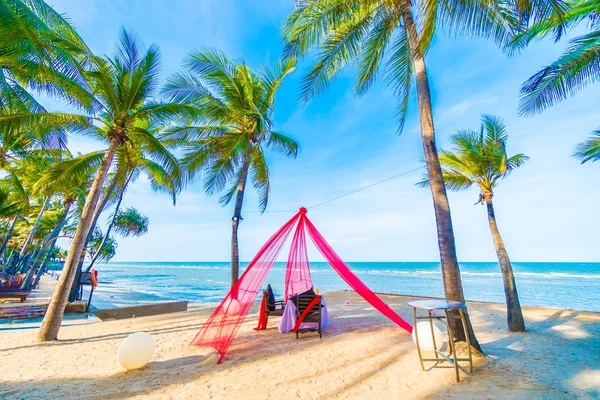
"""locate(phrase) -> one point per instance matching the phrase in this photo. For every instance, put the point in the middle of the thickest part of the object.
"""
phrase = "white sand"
(362, 355)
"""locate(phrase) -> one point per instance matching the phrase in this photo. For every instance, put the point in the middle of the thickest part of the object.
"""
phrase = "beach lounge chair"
(302, 302)
(11, 281)
(15, 294)
(274, 307)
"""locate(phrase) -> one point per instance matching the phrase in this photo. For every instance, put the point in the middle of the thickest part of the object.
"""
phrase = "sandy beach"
(362, 355)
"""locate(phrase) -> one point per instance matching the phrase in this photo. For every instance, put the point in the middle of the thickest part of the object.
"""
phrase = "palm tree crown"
(479, 158)
(235, 124)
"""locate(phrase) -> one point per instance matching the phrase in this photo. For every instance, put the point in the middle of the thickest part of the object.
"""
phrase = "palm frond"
(590, 149)
(283, 144)
(578, 67)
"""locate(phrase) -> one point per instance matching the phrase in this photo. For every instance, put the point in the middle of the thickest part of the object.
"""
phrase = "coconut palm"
(227, 142)
(122, 89)
(373, 35)
(480, 159)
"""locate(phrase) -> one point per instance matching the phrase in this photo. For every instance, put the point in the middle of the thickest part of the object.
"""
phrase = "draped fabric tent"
(220, 329)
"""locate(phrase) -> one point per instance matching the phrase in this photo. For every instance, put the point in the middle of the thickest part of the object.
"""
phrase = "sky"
(546, 210)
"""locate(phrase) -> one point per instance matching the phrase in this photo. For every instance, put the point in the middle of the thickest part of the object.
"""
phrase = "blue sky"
(546, 210)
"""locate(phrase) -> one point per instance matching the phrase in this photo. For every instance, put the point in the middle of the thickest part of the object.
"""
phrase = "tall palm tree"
(576, 68)
(227, 142)
(121, 89)
(479, 158)
(371, 34)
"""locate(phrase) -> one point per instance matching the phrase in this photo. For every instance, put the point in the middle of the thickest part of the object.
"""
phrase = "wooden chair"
(275, 309)
(301, 302)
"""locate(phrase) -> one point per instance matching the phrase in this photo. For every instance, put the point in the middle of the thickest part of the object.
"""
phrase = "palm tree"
(121, 89)
(479, 158)
(590, 149)
(576, 68)
(371, 34)
(227, 141)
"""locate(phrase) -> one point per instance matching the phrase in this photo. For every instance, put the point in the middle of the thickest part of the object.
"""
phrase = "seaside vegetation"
(480, 159)
(219, 114)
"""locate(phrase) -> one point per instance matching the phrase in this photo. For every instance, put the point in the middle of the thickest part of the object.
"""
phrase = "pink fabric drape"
(352, 280)
(297, 272)
(220, 329)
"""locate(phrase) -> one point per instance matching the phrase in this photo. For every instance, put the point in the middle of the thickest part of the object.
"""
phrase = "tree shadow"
(556, 358)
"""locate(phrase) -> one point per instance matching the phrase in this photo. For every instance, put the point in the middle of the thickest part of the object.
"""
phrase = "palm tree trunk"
(73, 292)
(237, 218)
(450, 270)
(34, 228)
(514, 315)
(7, 238)
(54, 315)
(38, 266)
(111, 224)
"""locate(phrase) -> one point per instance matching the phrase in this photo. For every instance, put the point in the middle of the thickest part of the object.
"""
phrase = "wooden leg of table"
(464, 323)
(433, 337)
(452, 348)
(417, 339)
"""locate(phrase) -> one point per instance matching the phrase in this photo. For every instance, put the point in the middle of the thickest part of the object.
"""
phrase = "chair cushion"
(270, 298)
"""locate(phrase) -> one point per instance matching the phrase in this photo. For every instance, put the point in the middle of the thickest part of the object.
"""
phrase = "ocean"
(563, 285)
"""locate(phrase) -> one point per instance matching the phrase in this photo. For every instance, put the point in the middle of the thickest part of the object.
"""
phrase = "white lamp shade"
(425, 339)
(136, 350)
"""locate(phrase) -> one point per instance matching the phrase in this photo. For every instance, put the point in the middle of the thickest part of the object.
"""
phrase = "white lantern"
(136, 350)
(231, 306)
(425, 339)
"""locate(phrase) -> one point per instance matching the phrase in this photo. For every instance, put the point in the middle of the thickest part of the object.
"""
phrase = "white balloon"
(425, 340)
(232, 306)
(136, 350)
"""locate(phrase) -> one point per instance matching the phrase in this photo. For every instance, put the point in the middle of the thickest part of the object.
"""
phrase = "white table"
(288, 320)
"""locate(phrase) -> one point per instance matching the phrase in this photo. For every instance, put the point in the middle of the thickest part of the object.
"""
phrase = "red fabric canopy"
(220, 329)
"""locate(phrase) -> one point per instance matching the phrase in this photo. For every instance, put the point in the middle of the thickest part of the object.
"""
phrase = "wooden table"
(445, 305)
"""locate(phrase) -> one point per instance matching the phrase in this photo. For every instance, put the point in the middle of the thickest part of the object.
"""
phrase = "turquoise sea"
(563, 285)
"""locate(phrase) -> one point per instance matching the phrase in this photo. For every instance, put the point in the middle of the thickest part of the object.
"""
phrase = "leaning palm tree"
(479, 158)
(122, 89)
(576, 68)
(227, 142)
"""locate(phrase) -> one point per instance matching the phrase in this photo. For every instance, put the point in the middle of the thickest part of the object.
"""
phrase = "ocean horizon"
(562, 285)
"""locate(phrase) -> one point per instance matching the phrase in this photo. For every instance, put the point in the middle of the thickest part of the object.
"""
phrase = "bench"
(15, 294)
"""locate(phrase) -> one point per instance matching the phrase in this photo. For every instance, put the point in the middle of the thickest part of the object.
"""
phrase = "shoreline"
(361, 355)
